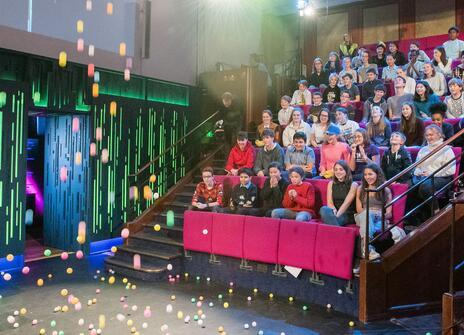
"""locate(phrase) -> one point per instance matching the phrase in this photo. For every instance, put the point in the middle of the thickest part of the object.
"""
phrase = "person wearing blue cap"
(331, 151)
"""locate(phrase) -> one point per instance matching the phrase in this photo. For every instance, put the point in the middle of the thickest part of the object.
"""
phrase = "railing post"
(432, 205)
(366, 238)
(383, 215)
(452, 232)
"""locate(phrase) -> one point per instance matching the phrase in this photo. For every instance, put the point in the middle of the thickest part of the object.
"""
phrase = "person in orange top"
(242, 155)
(298, 201)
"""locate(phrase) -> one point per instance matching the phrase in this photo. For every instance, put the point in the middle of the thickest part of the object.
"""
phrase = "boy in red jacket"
(242, 155)
(298, 199)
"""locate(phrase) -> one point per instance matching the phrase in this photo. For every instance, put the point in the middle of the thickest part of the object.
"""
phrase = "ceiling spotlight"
(301, 4)
(308, 11)
(302, 12)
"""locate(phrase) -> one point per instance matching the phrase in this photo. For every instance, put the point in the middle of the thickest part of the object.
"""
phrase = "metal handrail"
(397, 177)
(143, 168)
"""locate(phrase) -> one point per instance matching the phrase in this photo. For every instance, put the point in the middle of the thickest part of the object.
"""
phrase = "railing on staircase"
(174, 161)
(379, 279)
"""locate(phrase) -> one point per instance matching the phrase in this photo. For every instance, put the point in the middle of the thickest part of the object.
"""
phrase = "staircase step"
(163, 226)
(126, 268)
(166, 256)
(154, 241)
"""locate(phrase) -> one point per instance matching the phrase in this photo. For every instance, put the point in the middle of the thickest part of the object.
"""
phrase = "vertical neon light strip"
(1, 155)
(29, 17)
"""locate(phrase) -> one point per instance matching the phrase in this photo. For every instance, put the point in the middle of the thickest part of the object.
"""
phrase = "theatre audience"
(363, 152)
(380, 55)
(422, 56)
(347, 68)
(415, 67)
(350, 87)
(298, 201)
(424, 98)
(270, 152)
(331, 151)
(345, 102)
(437, 114)
(378, 128)
(362, 70)
(395, 102)
(208, 193)
(400, 58)
(455, 101)
(267, 124)
(242, 155)
(299, 154)
(273, 190)
(315, 108)
(435, 79)
(296, 124)
(411, 125)
(286, 110)
(318, 129)
(302, 96)
(396, 159)
(376, 100)
(333, 64)
(341, 194)
(390, 72)
(319, 77)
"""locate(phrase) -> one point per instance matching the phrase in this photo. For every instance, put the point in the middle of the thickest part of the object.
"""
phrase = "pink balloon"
(147, 313)
(125, 233)
(93, 149)
(80, 45)
(70, 298)
(75, 125)
(79, 254)
(64, 256)
(63, 173)
(25, 270)
(7, 276)
(78, 306)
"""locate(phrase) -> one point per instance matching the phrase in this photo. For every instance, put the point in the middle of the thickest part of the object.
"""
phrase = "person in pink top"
(332, 151)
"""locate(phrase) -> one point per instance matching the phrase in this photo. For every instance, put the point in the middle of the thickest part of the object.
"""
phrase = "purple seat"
(399, 207)
(197, 231)
(261, 239)
(227, 239)
(320, 190)
(297, 241)
(334, 251)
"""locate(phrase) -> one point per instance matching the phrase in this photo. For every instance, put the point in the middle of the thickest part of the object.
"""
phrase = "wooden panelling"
(434, 17)
(331, 27)
(380, 23)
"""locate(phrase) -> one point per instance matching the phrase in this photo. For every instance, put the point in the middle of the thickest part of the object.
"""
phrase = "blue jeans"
(328, 217)
(375, 224)
(284, 213)
(425, 190)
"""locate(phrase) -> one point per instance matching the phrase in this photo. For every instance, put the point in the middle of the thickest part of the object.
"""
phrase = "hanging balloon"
(95, 90)
(29, 217)
(80, 26)
(93, 149)
(96, 77)
(170, 218)
(126, 74)
(137, 262)
(113, 107)
(91, 50)
(88, 5)
(122, 49)
(78, 158)
(129, 63)
(62, 59)
(81, 232)
(75, 124)
(98, 134)
(104, 156)
(80, 44)
(90, 70)
(109, 8)
(147, 193)
(63, 173)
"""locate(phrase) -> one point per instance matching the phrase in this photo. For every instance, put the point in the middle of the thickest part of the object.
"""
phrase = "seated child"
(299, 154)
(298, 200)
(242, 155)
(244, 197)
(273, 189)
(208, 193)
(270, 152)
(396, 158)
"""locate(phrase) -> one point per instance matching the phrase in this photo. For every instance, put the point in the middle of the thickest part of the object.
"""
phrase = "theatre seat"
(258, 181)
(334, 251)
(228, 183)
(227, 239)
(196, 223)
(320, 190)
(261, 239)
(297, 241)
(399, 207)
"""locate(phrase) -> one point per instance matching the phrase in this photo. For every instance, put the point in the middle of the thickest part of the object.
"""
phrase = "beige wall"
(330, 30)
(380, 23)
(434, 17)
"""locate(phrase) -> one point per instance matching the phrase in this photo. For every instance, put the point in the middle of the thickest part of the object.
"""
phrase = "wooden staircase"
(158, 249)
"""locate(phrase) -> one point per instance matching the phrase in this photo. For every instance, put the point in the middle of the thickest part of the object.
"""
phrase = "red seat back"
(198, 231)
(258, 181)
(400, 206)
(296, 244)
(261, 239)
(320, 191)
(227, 236)
(334, 251)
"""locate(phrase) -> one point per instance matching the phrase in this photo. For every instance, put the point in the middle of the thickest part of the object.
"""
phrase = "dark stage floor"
(276, 316)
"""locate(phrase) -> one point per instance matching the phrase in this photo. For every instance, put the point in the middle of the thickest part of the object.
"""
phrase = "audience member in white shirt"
(453, 46)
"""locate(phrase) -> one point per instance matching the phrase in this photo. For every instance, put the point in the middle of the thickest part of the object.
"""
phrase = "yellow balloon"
(9, 257)
(69, 271)
(113, 107)
(40, 282)
(64, 292)
(111, 280)
(114, 249)
(157, 227)
(62, 59)
(152, 178)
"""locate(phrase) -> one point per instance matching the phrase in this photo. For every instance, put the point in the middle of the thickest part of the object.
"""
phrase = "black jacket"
(243, 195)
(394, 163)
(368, 89)
(272, 197)
(316, 80)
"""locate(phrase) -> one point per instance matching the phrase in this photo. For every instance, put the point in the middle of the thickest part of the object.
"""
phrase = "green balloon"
(170, 219)
(47, 252)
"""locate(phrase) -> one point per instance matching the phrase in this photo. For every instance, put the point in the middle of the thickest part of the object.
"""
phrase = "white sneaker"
(373, 255)
(356, 271)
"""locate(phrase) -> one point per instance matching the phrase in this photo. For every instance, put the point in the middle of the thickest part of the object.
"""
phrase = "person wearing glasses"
(208, 193)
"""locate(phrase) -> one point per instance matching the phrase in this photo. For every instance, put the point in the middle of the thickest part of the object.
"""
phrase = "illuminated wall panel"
(13, 128)
(66, 202)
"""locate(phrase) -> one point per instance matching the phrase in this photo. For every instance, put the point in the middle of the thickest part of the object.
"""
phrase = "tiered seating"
(311, 246)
